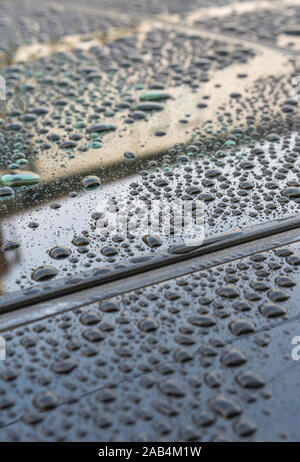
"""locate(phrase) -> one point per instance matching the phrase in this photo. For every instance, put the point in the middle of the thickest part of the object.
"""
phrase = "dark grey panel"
(202, 357)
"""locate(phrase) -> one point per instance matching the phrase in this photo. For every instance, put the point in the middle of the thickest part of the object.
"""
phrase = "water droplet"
(245, 427)
(109, 306)
(6, 192)
(80, 241)
(148, 324)
(152, 241)
(154, 96)
(109, 251)
(43, 273)
(249, 379)
(89, 318)
(234, 358)
(171, 388)
(20, 178)
(278, 295)
(228, 292)
(285, 281)
(10, 245)
(91, 182)
(58, 253)
(129, 155)
(272, 310)
(64, 367)
(242, 326)
(101, 128)
(46, 400)
(225, 406)
(291, 193)
(202, 320)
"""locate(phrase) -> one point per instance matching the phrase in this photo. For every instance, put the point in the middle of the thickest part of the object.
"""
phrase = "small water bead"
(60, 252)
(32, 418)
(152, 241)
(91, 182)
(246, 185)
(291, 193)
(89, 318)
(160, 133)
(204, 418)
(193, 190)
(273, 137)
(148, 325)
(13, 166)
(80, 241)
(46, 400)
(245, 427)
(97, 215)
(161, 182)
(242, 306)
(272, 310)
(212, 173)
(79, 124)
(248, 379)
(109, 306)
(22, 162)
(55, 205)
(10, 245)
(242, 326)
(278, 295)
(283, 252)
(20, 178)
(228, 292)
(154, 96)
(285, 281)
(247, 164)
(259, 285)
(109, 251)
(149, 107)
(93, 335)
(64, 367)
(9, 374)
(138, 115)
(44, 273)
(225, 406)
(33, 225)
(15, 126)
(171, 387)
(68, 144)
(101, 128)
(229, 143)
(202, 320)
(234, 358)
(212, 379)
(96, 145)
(129, 155)
(6, 192)
(293, 260)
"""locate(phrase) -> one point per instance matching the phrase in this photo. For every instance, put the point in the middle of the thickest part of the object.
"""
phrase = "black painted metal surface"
(114, 338)
(205, 356)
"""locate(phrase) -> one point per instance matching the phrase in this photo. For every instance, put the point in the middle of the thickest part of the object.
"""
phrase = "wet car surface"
(156, 104)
